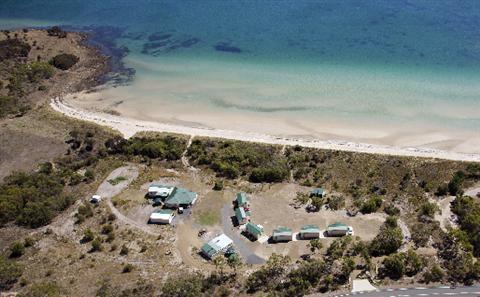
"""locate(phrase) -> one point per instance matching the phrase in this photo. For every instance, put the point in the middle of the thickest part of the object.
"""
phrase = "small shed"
(216, 246)
(254, 230)
(242, 200)
(241, 216)
(96, 199)
(309, 232)
(339, 229)
(282, 234)
(318, 192)
(181, 198)
(160, 191)
(162, 216)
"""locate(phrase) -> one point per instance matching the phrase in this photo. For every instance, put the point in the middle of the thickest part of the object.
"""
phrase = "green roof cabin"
(241, 215)
(309, 232)
(282, 234)
(254, 230)
(242, 200)
(181, 198)
(318, 192)
(339, 229)
(216, 246)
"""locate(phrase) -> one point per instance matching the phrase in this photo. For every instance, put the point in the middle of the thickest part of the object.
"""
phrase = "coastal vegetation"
(405, 189)
(64, 61)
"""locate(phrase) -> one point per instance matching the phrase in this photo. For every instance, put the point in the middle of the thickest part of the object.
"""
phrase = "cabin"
(309, 232)
(162, 216)
(241, 215)
(282, 234)
(219, 244)
(255, 231)
(318, 192)
(160, 191)
(180, 198)
(339, 229)
(242, 200)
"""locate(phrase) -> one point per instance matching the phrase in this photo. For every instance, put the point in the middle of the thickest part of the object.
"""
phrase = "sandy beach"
(130, 126)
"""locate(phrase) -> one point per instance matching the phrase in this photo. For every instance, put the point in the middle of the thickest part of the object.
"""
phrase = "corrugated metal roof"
(282, 230)
(310, 228)
(254, 229)
(181, 196)
(338, 225)
(242, 198)
(240, 213)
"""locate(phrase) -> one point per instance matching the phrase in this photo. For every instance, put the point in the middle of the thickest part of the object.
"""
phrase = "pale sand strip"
(129, 127)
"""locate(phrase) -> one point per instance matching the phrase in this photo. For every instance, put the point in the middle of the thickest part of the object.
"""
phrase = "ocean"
(395, 72)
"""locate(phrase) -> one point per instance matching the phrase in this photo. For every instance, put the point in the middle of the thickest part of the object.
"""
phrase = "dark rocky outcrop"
(57, 31)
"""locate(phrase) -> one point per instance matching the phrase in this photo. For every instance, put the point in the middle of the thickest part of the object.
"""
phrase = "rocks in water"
(226, 47)
(164, 43)
(159, 36)
(189, 42)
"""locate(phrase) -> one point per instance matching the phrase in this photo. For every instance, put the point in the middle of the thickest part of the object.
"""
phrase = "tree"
(269, 274)
(127, 268)
(372, 204)
(388, 240)
(234, 262)
(413, 263)
(435, 274)
(315, 245)
(394, 266)
(183, 286)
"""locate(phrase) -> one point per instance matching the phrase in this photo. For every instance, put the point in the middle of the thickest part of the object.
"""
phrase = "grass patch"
(208, 218)
(117, 180)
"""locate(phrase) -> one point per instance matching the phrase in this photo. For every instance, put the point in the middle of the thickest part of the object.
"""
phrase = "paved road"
(473, 291)
(239, 242)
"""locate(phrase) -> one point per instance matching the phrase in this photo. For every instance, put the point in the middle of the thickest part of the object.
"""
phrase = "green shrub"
(190, 285)
(388, 240)
(44, 289)
(64, 61)
(276, 173)
(468, 211)
(32, 200)
(28, 242)
(124, 250)
(96, 245)
(17, 249)
(10, 271)
(127, 268)
(88, 235)
(394, 266)
(218, 185)
(454, 186)
(372, 204)
(13, 48)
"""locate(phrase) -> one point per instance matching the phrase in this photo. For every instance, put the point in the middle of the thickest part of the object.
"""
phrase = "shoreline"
(128, 127)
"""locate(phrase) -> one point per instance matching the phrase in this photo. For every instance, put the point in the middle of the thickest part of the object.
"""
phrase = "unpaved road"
(107, 191)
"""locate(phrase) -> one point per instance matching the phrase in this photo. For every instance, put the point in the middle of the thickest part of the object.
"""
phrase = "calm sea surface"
(393, 62)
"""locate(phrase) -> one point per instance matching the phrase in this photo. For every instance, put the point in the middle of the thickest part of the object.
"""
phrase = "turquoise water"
(393, 62)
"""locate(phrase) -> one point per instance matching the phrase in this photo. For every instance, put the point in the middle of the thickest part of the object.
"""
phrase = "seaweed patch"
(226, 47)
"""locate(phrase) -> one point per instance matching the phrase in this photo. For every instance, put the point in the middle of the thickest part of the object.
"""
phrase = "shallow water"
(292, 67)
